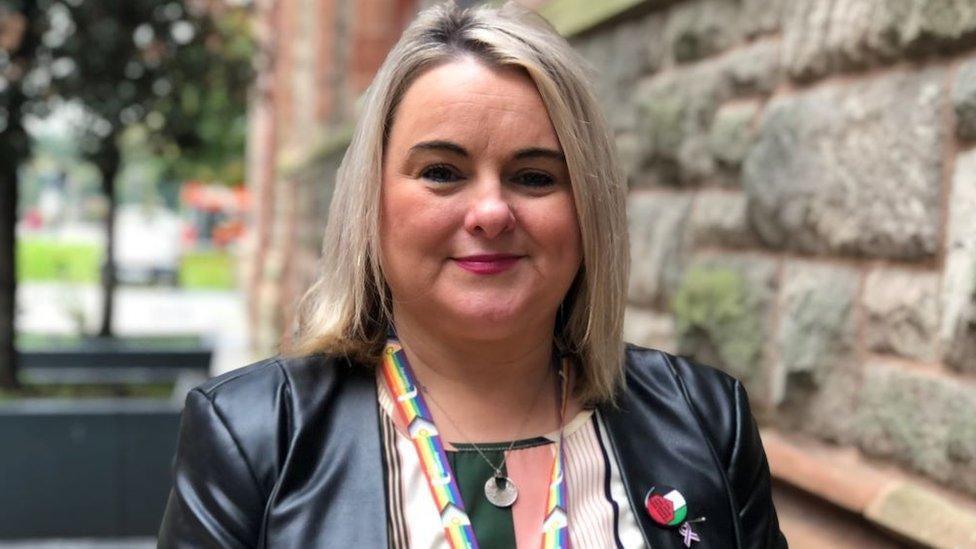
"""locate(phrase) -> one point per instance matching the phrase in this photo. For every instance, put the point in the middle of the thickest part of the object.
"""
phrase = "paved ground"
(59, 308)
(49, 308)
(122, 543)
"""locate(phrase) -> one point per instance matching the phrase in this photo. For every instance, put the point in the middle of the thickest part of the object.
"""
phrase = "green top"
(492, 525)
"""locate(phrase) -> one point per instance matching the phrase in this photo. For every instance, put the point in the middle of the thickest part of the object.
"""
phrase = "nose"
(490, 214)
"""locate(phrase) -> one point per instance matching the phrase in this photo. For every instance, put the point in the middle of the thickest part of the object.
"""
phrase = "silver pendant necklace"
(500, 491)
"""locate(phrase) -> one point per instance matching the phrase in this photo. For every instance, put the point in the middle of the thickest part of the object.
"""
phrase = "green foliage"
(49, 260)
(714, 307)
(45, 259)
(180, 68)
(19, 39)
(212, 270)
(168, 342)
(205, 119)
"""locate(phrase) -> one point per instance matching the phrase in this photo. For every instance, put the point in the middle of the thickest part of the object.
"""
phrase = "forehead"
(467, 101)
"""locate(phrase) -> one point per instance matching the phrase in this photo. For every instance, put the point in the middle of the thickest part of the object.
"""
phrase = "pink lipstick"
(487, 264)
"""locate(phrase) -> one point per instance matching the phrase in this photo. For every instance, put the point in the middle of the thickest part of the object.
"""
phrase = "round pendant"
(501, 491)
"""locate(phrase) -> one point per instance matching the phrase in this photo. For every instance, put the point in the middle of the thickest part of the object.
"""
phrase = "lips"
(487, 264)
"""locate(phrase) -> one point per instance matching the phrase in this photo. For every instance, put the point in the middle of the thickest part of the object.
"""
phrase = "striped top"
(599, 514)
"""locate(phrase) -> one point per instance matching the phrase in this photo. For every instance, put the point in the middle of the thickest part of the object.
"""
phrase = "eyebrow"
(539, 152)
(521, 154)
(440, 146)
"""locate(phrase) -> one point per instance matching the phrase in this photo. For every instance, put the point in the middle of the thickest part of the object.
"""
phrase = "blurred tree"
(181, 68)
(17, 45)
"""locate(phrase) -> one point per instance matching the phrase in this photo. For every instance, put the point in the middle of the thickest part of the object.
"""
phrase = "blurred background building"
(802, 213)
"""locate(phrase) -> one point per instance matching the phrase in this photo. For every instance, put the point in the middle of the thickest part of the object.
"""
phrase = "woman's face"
(478, 229)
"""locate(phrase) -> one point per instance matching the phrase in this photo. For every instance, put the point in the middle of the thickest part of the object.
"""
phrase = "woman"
(460, 379)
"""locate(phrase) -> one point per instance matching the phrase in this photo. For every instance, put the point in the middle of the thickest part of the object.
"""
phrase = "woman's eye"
(534, 179)
(439, 174)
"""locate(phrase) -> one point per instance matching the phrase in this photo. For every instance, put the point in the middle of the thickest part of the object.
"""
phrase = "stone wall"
(803, 210)
(802, 214)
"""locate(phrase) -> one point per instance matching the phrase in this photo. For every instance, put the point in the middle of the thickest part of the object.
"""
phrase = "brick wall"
(317, 57)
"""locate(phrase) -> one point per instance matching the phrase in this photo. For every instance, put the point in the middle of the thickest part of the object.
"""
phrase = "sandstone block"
(754, 69)
(658, 229)
(669, 123)
(897, 510)
(817, 370)
(961, 355)
(822, 36)
(649, 329)
(902, 313)
(628, 153)
(720, 218)
(816, 323)
(722, 316)
(732, 134)
(618, 56)
(958, 328)
(675, 110)
(851, 169)
(964, 100)
(925, 422)
(696, 30)
(759, 17)
(929, 25)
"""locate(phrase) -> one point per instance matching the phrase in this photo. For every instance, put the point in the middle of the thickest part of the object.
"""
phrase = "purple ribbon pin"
(687, 534)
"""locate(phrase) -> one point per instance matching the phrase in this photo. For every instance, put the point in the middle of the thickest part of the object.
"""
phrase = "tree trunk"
(14, 148)
(8, 266)
(108, 164)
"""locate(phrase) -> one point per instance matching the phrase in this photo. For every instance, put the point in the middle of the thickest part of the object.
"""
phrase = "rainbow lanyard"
(433, 460)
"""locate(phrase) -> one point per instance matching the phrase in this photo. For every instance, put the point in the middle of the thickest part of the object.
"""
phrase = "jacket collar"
(655, 435)
(658, 441)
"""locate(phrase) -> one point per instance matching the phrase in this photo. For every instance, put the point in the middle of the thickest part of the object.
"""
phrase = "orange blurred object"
(217, 213)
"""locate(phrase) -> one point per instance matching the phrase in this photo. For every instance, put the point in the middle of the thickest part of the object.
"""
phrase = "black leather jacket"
(286, 453)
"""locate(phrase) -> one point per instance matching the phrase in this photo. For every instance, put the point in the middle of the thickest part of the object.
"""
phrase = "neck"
(484, 390)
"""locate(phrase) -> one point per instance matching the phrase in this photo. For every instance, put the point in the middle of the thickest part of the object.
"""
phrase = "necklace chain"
(437, 469)
(525, 421)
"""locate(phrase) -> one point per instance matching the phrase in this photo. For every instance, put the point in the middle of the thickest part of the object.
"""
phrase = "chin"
(490, 319)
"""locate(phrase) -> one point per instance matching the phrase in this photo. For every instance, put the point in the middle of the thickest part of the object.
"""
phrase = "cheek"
(558, 232)
(412, 225)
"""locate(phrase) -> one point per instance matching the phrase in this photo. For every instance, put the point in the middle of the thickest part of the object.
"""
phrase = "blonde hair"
(347, 309)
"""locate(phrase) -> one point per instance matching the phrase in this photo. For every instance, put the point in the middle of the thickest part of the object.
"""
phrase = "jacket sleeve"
(749, 479)
(215, 500)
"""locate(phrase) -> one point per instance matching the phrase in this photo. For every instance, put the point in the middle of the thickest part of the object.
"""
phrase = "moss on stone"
(961, 445)
(664, 115)
(697, 30)
(716, 311)
(926, 423)
(731, 135)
